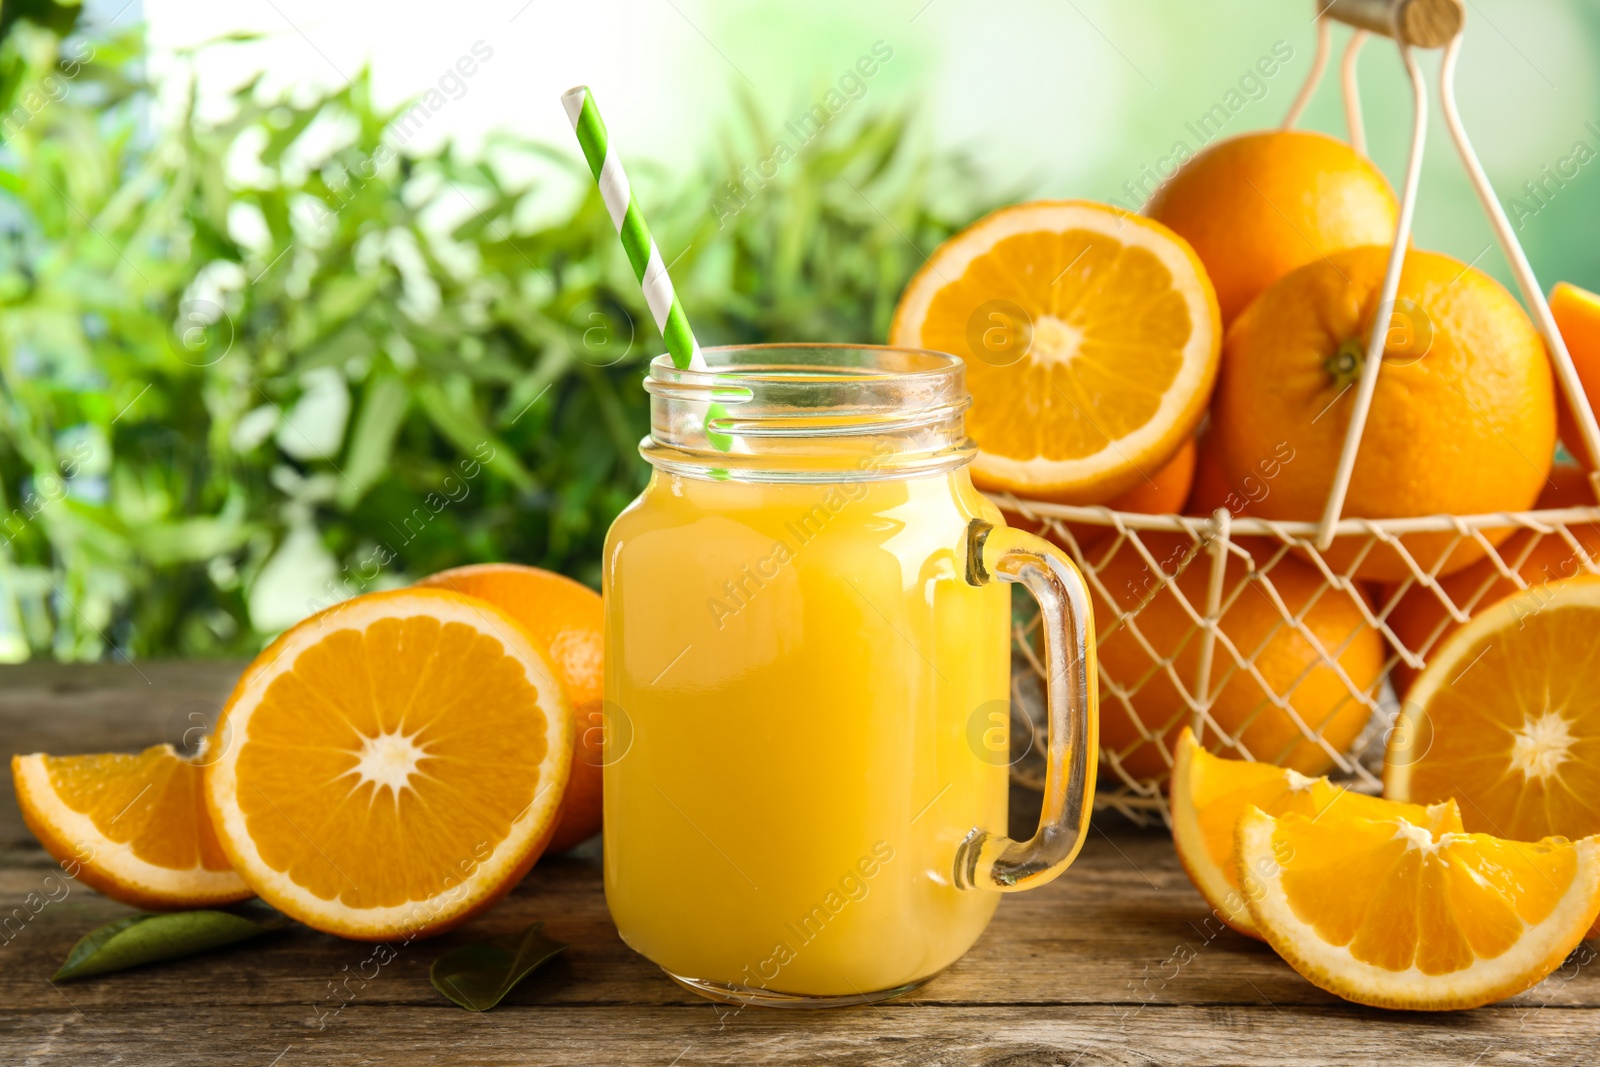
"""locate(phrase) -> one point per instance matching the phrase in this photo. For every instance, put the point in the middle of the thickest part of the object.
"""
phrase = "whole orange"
(1213, 488)
(1143, 711)
(1566, 487)
(1162, 493)
(567, 618)
(1165, 490)
(1256, 206)
(1462, 420)
(1420, 620)
(1577, 315)
(1210, 489)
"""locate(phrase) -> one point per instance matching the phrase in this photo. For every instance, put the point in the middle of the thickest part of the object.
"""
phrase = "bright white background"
(1052, 97)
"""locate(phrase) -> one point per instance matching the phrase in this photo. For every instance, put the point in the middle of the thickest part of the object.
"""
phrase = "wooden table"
(1112, 964)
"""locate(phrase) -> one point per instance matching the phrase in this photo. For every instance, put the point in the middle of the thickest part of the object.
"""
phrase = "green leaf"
(383, 409)
(141, 939)
(479, 975)
(286, 135)
(58, 17)
(341, 298)
(461, 426)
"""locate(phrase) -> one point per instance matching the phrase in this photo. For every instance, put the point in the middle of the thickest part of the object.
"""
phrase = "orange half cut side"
(1091, 339)
(396, 764)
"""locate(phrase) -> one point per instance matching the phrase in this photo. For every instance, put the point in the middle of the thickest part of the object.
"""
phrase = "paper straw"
(629, 221)
(645, 257)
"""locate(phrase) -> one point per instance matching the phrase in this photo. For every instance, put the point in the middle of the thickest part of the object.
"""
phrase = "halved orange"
(1091, 341)
(568, 619)
(395, 764)
(1384, 912)
(1210, 793)
(1506, 717)
(133, 827)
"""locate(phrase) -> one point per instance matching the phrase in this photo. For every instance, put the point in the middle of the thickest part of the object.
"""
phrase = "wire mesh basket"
(1258, 634)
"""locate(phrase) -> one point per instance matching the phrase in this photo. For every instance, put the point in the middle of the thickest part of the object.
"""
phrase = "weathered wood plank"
(1045, 1036)
(1113, 964)
(1100, 935)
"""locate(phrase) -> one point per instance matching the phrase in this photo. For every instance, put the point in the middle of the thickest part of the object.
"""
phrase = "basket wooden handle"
(1419, 23)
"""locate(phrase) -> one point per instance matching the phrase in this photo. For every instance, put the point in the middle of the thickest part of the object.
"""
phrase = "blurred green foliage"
(249, 368)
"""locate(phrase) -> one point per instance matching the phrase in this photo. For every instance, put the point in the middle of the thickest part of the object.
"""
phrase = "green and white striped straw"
(629, 221)
(648, 267)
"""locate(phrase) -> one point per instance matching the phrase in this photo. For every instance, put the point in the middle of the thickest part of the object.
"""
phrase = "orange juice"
(807, 681)
(799, 667)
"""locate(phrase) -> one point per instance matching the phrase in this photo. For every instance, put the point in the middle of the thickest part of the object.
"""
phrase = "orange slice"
(1388, 913)
(396, 764)
(1506, 717)
(133, 827)
(1091, 340)
(1210, 793)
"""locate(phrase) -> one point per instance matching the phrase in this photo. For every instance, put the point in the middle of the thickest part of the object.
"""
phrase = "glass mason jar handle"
(992, 861)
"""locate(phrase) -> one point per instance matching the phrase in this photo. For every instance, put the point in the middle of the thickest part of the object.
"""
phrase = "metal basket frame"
(1411, 24)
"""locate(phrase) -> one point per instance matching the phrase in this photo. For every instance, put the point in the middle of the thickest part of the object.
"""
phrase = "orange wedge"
(1091, 340)
(133, 827)
(1210, 793)
(1384, 912)
(396, 764)
(1506, 717)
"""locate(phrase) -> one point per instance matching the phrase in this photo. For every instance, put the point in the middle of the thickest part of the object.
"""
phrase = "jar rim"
(804, 410)
(941, 364)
